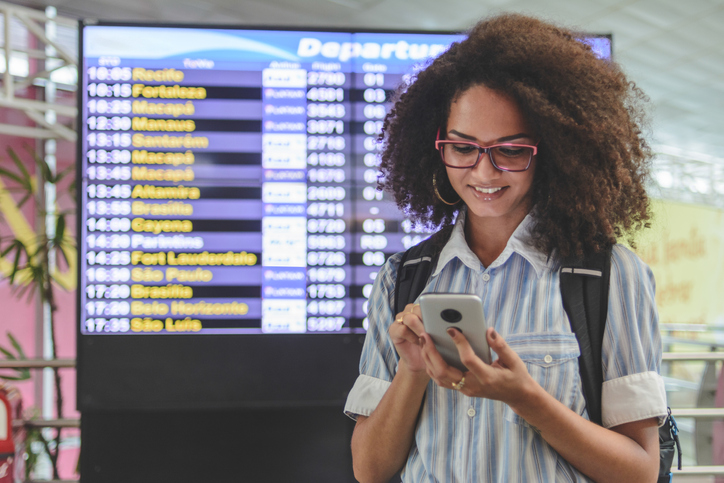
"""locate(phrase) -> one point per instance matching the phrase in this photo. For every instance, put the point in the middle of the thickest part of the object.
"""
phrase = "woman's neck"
(487, 237)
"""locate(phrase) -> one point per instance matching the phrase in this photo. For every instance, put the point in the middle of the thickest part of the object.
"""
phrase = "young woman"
(531, 148)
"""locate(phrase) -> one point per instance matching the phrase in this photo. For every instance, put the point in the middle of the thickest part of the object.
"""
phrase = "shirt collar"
(520, 242)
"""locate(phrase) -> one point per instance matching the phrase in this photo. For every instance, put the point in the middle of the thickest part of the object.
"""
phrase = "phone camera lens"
(451, 315)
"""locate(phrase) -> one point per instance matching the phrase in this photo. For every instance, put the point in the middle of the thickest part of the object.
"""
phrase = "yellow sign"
(685, 250)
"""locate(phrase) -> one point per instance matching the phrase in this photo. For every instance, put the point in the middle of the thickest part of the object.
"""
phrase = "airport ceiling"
(672, 49)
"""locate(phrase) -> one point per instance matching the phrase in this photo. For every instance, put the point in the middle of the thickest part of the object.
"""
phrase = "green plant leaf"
(26, 178)
(9, 174)
(9, 248)
(12, 378)
(24, 199)
(64, 173)
(16, 263)
(31, 151)
(61, 249)
(26, 289)
(23, 373)
(8, 355)
(45, 169)
(59, 230)
(16, 344)
(72, 190)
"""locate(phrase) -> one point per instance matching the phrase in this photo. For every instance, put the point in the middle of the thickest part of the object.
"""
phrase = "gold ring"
(399, 319)
(459, 386)
(411, 309)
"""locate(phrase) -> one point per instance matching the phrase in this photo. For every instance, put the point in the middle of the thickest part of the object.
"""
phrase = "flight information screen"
(228, 177)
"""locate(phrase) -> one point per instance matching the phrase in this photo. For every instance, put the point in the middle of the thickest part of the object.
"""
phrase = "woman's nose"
(485, 169)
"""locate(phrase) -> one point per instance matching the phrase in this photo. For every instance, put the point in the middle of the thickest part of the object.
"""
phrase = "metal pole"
(7, 76)
(49, 150)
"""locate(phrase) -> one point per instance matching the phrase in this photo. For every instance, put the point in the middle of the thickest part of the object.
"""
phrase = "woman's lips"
(488, 194)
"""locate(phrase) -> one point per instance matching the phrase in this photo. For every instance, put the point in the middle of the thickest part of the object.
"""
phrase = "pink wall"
(18, 316)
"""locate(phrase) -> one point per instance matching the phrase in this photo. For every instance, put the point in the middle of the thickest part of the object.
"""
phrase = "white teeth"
(488, 191)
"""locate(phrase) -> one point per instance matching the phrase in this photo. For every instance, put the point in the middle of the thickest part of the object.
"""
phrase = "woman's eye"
(463, 148)
(510, 151)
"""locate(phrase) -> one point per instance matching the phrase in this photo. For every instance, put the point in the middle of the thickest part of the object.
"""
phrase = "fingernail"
(452, 332)
(493, 335)
(422, 342)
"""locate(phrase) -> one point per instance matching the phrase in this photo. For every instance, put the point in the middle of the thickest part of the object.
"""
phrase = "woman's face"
(489, 117)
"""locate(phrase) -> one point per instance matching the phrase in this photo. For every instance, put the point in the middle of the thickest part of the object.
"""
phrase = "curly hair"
(592, 160)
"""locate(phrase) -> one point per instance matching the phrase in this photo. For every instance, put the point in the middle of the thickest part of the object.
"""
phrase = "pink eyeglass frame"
(484, 150)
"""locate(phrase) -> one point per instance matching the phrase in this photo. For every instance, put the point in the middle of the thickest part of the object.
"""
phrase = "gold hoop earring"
(437, 193)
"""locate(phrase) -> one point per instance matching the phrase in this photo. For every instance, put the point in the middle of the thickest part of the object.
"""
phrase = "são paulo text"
(171, 274)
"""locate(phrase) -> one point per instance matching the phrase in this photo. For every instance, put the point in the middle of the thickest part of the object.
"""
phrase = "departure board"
(228, 177)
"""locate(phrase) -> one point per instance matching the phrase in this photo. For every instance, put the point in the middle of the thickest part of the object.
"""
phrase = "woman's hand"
(405, 333)
(628, 452)
(506, 379)
(382, 441)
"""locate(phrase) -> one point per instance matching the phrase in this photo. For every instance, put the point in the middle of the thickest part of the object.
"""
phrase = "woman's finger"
(467, 354)
(400, 331)
(443, 373)
(506, 356)
(411, 317)
(413, 309)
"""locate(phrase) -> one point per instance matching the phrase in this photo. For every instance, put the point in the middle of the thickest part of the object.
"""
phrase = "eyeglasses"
(467, 154)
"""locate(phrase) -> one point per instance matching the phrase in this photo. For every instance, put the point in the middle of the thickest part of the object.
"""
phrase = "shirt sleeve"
(378, 363)
(633, 389)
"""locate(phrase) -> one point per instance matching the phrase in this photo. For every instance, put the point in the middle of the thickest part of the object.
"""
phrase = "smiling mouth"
(487, 191)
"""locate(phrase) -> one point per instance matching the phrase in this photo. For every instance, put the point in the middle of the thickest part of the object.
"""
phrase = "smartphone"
(440, 311)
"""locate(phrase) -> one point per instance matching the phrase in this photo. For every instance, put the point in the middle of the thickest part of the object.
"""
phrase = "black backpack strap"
(584, 289)
(668, 443)
(416, 266)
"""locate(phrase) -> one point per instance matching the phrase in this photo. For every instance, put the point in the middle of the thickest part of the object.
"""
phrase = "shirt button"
(548, 359)
(486, 277)
(471, 412)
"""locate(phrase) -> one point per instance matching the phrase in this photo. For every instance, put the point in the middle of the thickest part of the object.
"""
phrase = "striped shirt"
(465, 439)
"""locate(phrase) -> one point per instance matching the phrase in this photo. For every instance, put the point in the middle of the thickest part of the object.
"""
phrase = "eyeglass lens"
(513, 158)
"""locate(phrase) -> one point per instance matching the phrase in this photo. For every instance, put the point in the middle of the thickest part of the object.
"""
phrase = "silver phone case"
(471, 324)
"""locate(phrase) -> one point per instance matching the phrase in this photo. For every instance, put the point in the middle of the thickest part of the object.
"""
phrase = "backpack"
(584, 289)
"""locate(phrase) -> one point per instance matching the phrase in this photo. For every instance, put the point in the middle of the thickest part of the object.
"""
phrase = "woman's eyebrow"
(500, 140)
